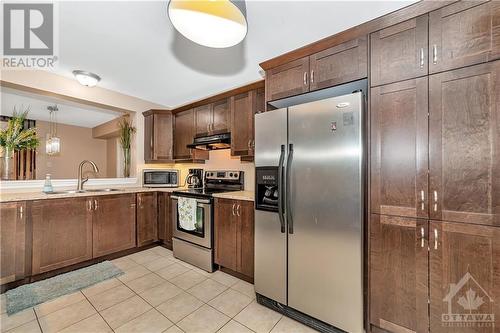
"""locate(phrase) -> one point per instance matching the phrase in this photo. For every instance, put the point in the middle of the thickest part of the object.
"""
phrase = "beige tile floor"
(157, 293)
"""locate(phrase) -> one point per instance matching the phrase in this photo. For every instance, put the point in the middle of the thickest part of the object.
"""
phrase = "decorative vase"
(7, 165)
(126, 162)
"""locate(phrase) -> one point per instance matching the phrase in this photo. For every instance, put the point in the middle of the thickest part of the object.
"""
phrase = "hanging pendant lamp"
(53, 142)
(212, 23)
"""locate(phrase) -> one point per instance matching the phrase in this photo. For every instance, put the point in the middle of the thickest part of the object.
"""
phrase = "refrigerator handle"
(287, 185)
(280, 189)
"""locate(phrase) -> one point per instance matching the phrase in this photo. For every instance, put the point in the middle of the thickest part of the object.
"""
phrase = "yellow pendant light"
(212, 23)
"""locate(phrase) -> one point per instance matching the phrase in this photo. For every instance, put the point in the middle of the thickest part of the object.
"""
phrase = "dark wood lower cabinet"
(147, 218)
(62, 232)
(164, 221)
(114, 224)
(398, 273)
(14, 257)
(234, 235)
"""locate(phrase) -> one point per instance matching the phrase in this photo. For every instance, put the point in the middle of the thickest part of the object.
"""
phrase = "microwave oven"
(160, 178)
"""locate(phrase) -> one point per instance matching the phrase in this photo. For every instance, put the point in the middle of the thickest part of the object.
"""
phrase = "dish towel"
(187, 213)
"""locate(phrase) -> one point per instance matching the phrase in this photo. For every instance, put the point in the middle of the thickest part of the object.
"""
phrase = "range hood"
(212, 142)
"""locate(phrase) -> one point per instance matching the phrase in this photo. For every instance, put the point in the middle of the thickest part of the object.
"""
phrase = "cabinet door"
(147, 221)
(203, 119)
(164, 222)
(226, 229)
(163, 139)
(183, 134)
(465, 145)
(242, 112)
(148, 137)
(245, 241)
(463, 34)
(221, 117)
(114, 224)
(13, 241)
(399, 52)
(398, 273)
(62, 233)
(339, 64)
(399, 148)
(464, 277)
(288, 80)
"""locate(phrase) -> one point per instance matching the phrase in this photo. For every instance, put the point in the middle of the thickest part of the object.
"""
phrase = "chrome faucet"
(82, 180)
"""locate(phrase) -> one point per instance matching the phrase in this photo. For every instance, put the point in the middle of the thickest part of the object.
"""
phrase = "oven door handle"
(197, 200)
(281, 192)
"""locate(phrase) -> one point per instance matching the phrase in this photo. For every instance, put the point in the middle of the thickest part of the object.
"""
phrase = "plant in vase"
(126, 132)
(15, 138)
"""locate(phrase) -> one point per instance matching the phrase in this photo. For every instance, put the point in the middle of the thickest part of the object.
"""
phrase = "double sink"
(86, 191)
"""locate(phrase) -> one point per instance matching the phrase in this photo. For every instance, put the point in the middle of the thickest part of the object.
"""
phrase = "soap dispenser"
(47, 187)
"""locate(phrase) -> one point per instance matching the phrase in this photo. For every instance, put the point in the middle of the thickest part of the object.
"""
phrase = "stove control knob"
(231, 174)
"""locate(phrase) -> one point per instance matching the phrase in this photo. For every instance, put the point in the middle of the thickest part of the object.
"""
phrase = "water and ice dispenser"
(266, 188)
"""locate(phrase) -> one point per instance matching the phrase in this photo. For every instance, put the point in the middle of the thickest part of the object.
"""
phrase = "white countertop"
(237, 195)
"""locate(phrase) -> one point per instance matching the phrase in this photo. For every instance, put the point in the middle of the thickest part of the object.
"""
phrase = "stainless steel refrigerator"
(309, 210)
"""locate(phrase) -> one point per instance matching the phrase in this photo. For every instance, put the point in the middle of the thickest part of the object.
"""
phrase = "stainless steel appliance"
(309, 212)
(194, 178)
(212, 142)
(160, 178)
(196, 246)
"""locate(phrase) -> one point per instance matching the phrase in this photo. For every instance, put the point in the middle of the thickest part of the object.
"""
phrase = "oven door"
(202, 235)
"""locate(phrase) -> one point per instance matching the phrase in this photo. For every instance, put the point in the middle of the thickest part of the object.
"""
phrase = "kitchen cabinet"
(341, 63)
(234, 235)
(114, 226)
(62, 232)
(14, 242)
(399, 148)
(465, 145)
(158, 136)
(213, 118)
(398, 273)
(147, 218)
(463, 34)
(399, 52)
(184, 133)
(164, 221)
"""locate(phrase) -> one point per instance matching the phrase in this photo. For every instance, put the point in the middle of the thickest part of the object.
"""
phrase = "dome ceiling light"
(87, 79)
(212, 23)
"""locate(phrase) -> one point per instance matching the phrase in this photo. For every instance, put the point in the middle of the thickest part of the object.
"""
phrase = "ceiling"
(69, 113)
(134, 48)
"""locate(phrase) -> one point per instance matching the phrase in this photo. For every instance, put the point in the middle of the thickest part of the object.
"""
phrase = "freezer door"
(270, 242)
(325, 202)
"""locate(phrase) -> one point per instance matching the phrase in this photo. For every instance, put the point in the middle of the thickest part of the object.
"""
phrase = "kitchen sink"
(67, 192)
(104, 190)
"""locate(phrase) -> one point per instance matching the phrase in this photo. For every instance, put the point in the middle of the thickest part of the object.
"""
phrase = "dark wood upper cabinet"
(243, 107)
(147, 218)
(221, 114)
(114, 223)
(13, 242)
(339, 64)
(203, 119)
(184, 132)
(398, 273)
(465, 145)
(164, 221)
(226, 230)
(464, 33)
(158, 139)
(399, 52)
(288, 80)
(464, 275)
(245, 238)
(62, 232)
(399, 148)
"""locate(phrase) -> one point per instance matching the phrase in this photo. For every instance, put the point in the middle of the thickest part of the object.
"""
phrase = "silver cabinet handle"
(422, 57)
(435, 201)
(232, 210)
(422, 200)
(435, 239)
(305, 78)
(434, 54)
(89, 205)
(238, 210)
(96, 204)
(20, 212)
(208, 127)
(422, 234)
(249, 145)
(312, 76)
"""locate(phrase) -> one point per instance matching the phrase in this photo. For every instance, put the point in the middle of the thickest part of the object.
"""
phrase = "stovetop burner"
(202, 192)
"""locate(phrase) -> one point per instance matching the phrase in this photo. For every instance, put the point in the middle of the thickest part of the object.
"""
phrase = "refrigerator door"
(325, 203)
(270, 242)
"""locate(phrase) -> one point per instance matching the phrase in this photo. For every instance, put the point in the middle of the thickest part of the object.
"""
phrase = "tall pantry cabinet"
(435, 170)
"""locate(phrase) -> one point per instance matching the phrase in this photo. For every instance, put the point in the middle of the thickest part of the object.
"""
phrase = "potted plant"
(126, 132)
(15, 138)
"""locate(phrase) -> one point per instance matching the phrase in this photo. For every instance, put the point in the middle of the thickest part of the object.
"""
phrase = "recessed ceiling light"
(85, 78)
(212, 23)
